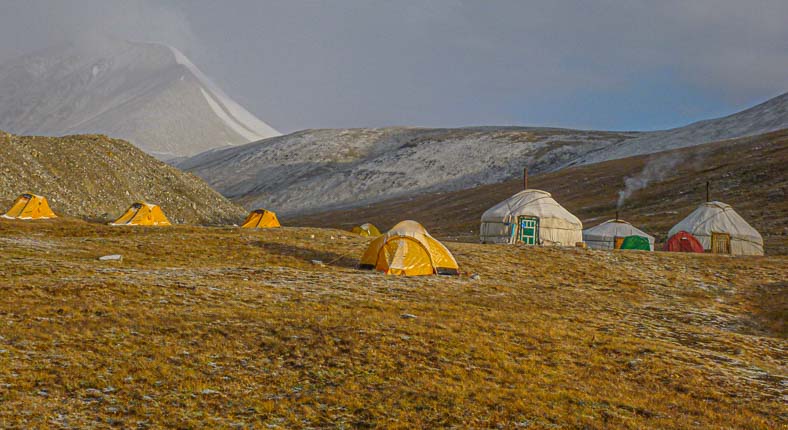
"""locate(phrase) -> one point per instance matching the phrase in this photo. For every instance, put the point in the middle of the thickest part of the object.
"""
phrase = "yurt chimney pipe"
(617, 216)
(708, 196)
(525, 178)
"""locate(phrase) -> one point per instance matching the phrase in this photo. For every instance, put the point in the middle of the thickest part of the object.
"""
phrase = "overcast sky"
(603, 64)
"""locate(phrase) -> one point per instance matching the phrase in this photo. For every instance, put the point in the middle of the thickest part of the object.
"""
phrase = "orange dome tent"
(407, 249)
(142, 213)
(366, 229)
(261, 218)
(30, 206)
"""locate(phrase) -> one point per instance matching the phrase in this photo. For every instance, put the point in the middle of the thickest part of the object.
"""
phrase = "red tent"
(683, 242)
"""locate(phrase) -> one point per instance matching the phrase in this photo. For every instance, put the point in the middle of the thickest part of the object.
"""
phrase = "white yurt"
(604, 236)
(531, 217)
(721, 230)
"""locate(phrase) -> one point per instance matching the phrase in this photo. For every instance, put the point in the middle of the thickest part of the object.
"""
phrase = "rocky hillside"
(748, 173)
(149, 94)
(97, 178)
(317, 169)
(313, 170)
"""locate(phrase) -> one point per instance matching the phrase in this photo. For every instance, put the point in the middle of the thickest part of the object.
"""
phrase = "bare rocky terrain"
(95, 177)
(146, 93)
(315, 170)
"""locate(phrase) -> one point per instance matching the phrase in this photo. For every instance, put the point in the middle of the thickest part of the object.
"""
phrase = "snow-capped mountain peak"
(147, 93)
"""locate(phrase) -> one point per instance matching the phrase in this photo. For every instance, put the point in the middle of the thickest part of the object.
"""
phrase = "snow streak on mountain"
(147, 93)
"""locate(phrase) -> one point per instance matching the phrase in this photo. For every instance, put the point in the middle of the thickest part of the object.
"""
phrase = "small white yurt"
(721, 230)
(610, 234)
(531, 217)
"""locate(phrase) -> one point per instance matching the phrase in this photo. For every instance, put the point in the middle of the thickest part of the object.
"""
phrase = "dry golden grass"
(223, 328)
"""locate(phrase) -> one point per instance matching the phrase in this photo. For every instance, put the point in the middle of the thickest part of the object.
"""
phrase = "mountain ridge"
(150, 94)
(314, 170)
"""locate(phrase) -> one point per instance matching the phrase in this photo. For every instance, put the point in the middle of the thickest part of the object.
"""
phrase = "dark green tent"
(636, 242)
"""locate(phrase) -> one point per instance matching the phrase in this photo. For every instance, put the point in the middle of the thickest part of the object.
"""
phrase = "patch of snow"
(235, 115)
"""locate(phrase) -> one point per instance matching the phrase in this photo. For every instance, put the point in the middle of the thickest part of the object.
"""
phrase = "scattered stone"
(92, 392)
(111, 257)
(408, 316)
(318, 262)
(208, 392)
(476, 277)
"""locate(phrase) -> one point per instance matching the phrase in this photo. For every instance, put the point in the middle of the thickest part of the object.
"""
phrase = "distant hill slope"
(312, 170)
(96, 177)
(316, 169)
(748, 173)
(149, 94)
(771, 115)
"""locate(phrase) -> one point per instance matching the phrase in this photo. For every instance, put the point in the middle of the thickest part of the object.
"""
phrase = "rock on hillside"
(317, 169)
(95, 177)
(147, 93)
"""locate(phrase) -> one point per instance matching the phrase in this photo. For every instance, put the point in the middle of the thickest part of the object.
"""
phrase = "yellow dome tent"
(407, 249)
(366, 229)
(142, 213)
(30, 206)
(261, 218)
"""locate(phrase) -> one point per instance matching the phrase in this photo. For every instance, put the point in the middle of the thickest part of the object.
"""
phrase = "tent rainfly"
(366, 229)
(611, 234)
(637, 242)
(532, 217)
(261, 218)
(142, 213)
(683, 242)
(407, 249)
(30, 206)
(721, 230)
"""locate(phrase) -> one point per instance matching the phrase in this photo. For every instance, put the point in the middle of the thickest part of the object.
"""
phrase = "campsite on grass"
(444, 214)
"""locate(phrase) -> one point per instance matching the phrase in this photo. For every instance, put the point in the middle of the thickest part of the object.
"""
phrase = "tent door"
(528, 229)
(721, 243)
(618, 242)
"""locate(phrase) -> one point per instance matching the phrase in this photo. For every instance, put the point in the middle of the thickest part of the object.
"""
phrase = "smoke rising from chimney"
(654, 171)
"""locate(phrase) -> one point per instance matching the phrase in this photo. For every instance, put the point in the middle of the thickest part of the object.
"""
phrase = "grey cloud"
(300, 64)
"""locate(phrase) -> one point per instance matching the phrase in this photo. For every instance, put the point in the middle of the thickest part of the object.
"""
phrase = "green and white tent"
(611, 234)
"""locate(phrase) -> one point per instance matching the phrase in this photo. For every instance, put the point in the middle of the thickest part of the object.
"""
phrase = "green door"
(529, 230)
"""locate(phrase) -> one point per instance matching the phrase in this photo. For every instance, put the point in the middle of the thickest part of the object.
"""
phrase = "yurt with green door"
(531, 217)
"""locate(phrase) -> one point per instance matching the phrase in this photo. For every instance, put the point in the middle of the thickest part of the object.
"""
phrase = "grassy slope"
(748, 173)
(96, 177)
(221, 328)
